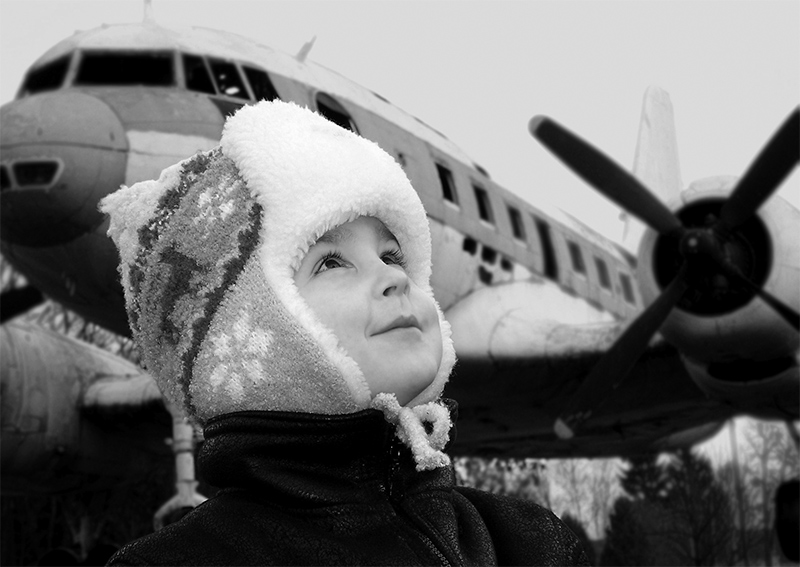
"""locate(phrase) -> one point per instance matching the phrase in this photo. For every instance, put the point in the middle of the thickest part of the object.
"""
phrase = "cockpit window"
(335, 112)
(196, 73)
(229, 82)
(260, 83)
(152, 68)
(48, 77)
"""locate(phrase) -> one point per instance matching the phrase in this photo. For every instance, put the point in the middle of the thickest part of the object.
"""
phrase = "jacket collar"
(302, 459)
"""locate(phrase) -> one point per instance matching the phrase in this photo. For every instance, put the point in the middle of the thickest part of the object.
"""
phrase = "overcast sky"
(478, 71)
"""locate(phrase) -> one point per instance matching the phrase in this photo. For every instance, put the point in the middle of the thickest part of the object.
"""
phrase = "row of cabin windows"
(485, 211)
(579, 266)
(450, 194)
(486, 214)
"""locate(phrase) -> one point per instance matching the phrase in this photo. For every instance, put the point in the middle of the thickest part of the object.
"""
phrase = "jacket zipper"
(394, 465)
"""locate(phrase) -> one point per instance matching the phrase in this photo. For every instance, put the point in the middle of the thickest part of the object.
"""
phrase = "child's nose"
(392, 281)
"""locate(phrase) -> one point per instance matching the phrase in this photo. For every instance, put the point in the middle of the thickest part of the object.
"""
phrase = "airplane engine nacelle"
(721, 322)
(766, 391)
(53, 437)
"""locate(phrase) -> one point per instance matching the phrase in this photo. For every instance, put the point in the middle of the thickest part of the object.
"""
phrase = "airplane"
(545, 311)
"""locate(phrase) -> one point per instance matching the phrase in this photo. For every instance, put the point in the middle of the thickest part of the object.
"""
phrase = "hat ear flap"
(197, 227)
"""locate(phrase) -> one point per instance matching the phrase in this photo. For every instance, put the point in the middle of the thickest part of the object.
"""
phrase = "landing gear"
(187, 496)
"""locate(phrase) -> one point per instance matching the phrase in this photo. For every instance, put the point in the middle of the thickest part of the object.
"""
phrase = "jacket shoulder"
(525, 533)
(221, 531)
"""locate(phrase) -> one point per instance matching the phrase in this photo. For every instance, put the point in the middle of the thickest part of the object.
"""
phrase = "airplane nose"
(60, 153)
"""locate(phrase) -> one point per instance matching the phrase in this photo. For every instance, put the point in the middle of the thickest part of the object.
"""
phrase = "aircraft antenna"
(148, 12)
(303, 53)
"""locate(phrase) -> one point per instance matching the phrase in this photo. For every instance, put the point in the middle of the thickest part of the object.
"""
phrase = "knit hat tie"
(427, 448)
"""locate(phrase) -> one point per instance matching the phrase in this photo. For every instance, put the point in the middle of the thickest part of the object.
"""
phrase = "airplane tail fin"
(656, 161)
(149, 18)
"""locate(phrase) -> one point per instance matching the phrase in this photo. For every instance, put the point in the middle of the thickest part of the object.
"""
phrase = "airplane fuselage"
(117, 105)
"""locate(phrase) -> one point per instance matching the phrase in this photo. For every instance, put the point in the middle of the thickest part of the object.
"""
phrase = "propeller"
(704, 250)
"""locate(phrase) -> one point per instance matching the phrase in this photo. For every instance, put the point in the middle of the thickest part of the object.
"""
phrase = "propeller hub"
(710, 255)
(698, 242)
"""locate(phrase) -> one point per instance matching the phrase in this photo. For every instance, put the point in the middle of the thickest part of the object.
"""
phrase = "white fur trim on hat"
(311, 176)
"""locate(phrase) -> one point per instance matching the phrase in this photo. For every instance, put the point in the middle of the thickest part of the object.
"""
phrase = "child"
(278, 287)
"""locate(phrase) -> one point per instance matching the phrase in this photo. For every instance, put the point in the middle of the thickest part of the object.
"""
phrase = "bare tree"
(701, 511)
(770, 459)
(766, 456)
(586, 489)
(514, 477)
(605, 489)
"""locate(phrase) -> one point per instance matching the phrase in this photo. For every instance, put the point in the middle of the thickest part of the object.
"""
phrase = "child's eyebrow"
(336, 236)
(341, 234)
(386, 234)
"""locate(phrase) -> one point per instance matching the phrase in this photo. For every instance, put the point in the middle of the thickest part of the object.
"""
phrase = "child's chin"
(413, 394)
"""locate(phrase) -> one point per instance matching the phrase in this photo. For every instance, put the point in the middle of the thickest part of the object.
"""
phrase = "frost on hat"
(209, 250)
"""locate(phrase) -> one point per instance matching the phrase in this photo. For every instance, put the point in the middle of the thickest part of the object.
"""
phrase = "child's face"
(354, 280)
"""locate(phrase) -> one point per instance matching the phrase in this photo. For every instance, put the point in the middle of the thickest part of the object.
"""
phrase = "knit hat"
(208, 254)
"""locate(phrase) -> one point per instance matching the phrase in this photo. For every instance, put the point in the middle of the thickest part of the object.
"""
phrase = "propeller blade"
(765, 174)
(18, 300)
(602, 173)
(615, 365)
(789, 315)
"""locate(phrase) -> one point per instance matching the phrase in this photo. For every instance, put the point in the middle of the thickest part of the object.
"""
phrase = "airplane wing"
(507, 406)
(518, 368)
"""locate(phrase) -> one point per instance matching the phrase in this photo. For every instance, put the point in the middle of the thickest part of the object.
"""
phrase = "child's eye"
(395, 257)
(330, 261)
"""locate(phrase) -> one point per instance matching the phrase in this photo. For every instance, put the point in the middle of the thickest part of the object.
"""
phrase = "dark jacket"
(307, 489)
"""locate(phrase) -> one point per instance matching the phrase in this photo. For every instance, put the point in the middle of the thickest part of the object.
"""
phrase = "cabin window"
(48, 77)
(517, 228)
(602, 273)
(229, 82)
(5, 179)
(470, 245)
(484, 206)
(196, 74)
(576, 256)
(260, 84)
(448, 186)
(335, 112)
(112, 68)
(627, 288)
(550, 263)
(488, 255)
